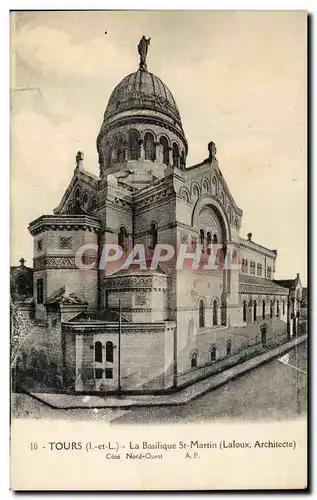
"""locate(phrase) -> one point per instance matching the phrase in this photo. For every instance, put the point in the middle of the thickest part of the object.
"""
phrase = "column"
(142, 151)
(170, 150)
(126, 151)
(158, 152)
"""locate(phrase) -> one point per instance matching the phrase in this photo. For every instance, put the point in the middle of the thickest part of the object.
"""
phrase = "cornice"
(66, 222)
(256, 247)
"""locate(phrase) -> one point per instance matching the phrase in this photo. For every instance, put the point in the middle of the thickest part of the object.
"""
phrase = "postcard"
(158, 276)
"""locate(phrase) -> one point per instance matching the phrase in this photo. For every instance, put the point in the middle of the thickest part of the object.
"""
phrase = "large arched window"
(109, 352)
(175, 155)
(149, 147)
(134, 145)
(213, 354)
(244, 310)
(153, 235)
(201, 314)
(263, 309)
(122, 238)
(215, 312)
(98, 352)
(193, 360)
(165, 147)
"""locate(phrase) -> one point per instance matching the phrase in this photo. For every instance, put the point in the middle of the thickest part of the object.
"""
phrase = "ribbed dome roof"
(142, 90)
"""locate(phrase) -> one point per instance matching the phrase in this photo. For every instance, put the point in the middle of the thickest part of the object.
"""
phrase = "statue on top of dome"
(142, 49)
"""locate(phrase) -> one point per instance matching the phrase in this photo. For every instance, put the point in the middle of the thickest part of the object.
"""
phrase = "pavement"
(182, 397)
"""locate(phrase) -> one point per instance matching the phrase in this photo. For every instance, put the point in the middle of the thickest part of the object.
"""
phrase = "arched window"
(149, 147)
(109, 352)
(263, 309)
(244, 310)
(229, 212)
(175, 155)
(254, 310)
(185, 195)
(85, 199)
(120, 150)
(214, 239)
(134, 145)
(229, 347)
(93, 204)
(214, 182)
(182, 160)
(205, 186)
(201, 314)
(196, 191)
(69, 207)
(246, 266)
(271, 309)
(215, 312)
(108, 156)
(77, 196)
(98, 352)
(153, 235)
(209, 241)
(114, 155)
(193, 360)
(122, 238)
(166, 155)
(202, 238)
(213, 354)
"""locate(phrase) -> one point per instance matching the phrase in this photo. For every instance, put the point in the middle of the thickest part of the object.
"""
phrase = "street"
(273, 391)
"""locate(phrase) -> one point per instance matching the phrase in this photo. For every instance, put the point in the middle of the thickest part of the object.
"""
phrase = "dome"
(141, 123)
(142, 90)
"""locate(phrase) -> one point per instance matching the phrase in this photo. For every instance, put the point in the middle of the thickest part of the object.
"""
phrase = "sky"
(238, 77)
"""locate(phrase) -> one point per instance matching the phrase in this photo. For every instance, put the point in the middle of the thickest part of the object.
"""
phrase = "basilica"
(148, 330)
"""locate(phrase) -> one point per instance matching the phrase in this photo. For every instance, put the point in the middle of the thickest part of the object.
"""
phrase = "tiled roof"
(285, 283)
(245, 279)
(61, 296)
(106, 315)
